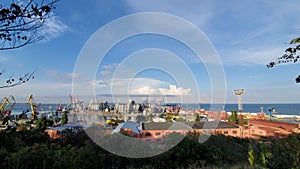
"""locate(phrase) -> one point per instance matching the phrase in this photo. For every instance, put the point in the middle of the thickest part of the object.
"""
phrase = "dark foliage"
(33, 149)
(42, 123)
(291, 55)
(64, 119)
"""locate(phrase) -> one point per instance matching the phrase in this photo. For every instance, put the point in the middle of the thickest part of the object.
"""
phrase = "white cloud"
(105, 74)
(146, 86)
(110, 67)
(198, 13)
(171, 90)
(54, 91)
(107, 71)
(97, 83)
(65, 77)
(2, 59)
(141, 88)
(254, 56)
(54, 27)
(37, 88)
(232, 27)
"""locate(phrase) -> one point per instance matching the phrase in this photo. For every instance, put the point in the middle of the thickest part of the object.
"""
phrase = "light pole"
(239, 93)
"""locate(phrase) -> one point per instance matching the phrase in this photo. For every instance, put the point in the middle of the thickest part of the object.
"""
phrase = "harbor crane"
(7, 104)
(33, 107)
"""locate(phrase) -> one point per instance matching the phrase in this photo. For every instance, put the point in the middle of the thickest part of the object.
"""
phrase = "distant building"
(58, 132)
(158, 131)
(265, 128)
(213, 115)
(132, 128)
(255, 129)
(122, 108)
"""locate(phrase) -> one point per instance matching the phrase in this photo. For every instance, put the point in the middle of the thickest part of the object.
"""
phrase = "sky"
(238, 39)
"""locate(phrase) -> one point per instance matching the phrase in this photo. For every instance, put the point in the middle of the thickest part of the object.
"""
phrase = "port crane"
(7, 104)
(33, 107)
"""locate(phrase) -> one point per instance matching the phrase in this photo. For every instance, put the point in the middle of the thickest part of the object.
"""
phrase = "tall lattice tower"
(239, 93)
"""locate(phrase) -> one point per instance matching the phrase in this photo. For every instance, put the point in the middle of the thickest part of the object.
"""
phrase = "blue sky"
(246, 35)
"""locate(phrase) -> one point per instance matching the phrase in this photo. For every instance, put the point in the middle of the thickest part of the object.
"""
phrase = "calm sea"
(289, 109)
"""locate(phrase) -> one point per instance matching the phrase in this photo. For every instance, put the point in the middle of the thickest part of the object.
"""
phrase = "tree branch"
(19, 24)
(11, 82)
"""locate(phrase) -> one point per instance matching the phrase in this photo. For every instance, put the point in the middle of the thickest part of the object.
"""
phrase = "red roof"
(283, 125)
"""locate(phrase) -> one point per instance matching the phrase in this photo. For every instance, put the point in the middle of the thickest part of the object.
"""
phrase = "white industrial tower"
(239, 93)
